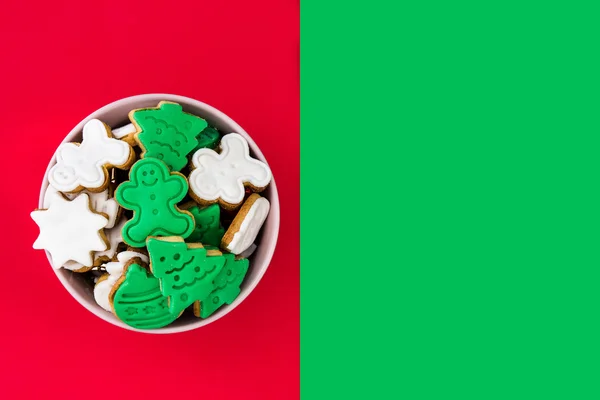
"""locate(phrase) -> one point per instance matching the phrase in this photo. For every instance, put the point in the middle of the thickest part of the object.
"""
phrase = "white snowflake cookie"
(70, 230)
(242, 232)
(84, 166)
(223, 177)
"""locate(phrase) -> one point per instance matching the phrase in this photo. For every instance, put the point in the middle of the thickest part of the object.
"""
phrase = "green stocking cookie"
(167, 133)
(208, 138)
(208, 228)
(227, 285)
(186, 272)
(152, 193)
(137, 300)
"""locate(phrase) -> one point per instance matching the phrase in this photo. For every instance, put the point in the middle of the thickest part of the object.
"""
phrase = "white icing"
(223, 175)
(114, 239)
(250, 226)
(100, 202)
(83, 165)
(123, 131)
(115, 270)
(69, 231)
(249, 251)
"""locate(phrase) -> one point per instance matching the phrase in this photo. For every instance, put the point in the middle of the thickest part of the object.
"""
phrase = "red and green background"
(445, 158)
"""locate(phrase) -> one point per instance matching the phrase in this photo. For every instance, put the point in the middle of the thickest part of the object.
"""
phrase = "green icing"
(138, 301)
(227, 285)
(167, 133)
(208, 138)
(152, 193)
(186, 274)
(208, 228)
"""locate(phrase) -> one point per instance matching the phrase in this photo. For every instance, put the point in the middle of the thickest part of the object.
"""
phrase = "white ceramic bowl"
(115, 115)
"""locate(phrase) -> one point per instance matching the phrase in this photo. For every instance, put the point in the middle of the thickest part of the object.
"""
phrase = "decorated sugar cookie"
(245, 226)
(114, 271)
(208, 229)
(100, 201)
(70, 230)
(222, 177)
(167, 133)
(136, 299)
(208, 138)
(84, 166)
(152, 193)
(186, 271)
(227, 286)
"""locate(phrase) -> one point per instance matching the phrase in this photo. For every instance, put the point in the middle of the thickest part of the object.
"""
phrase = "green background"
(449, 200)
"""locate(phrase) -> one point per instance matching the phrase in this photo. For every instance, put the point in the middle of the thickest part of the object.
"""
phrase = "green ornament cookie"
(152, 193)
(208, 138)
(167, 133)
(208, 228)
(137, 300)
(227, 285)
(186, 271)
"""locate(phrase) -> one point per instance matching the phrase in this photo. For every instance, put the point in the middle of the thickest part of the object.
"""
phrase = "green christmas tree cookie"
(152, 193)
(167, 133)
(186, 271)
(227, 285)
(208, 138)
(208, 228)
(136, 300)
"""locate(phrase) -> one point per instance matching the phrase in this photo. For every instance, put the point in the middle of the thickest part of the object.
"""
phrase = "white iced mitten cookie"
(223, 177)
(242, 232)
(114, 269)
(70, 230)
(84, 166)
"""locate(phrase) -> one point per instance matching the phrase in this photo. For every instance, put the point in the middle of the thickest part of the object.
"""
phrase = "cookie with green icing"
(167, 133)
(186, 271)
(227, 286)
(152, 193)
(208, 139)
(136, 299)
(208, 228)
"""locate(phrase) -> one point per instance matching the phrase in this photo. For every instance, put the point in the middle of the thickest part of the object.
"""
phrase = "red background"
(61, 61)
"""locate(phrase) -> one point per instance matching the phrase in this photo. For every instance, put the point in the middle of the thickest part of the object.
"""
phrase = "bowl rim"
(274, 213)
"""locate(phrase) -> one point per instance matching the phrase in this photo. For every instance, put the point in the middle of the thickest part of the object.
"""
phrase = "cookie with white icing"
(101, 202)
(114, 270)
(242, 232)
(70, 230)
(85, 165)
(126, 133)
(223, 177)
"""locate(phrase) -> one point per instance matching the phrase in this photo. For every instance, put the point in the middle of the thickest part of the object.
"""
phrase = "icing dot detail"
(176, 256)
(176, 278)
(152, 196)
(162, 259)
(155, 211)
(183, 297)
(158, 131)
(197, 269)
(177, 143)
(215, 300)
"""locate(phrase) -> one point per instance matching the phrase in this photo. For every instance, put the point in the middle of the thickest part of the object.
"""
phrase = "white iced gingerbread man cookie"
(101, 202)
(70, 230)
(85, 165)
(245, 226)
(222, 177)
(115, 270)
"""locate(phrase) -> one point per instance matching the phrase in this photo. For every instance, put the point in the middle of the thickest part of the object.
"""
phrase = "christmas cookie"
(245, 226)
(126, 133)
(114, 270)
(101, 202)
(222, 177)
(152, 193)
(226, 286)
(167, 133)
(208, 138)
(70, 230)
(186, 271)
(208, 230)
(136, 299)
(84, 166)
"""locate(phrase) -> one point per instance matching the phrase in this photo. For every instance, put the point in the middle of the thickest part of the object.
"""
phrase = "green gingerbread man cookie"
(152, 193)
(208, 228)
(167, 133)
(186, 271)
(208, 138)
(136, 300)
(227, 285)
